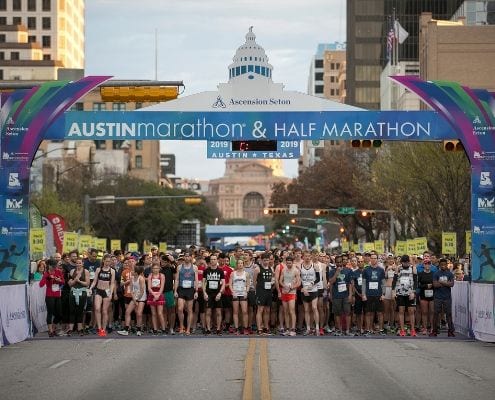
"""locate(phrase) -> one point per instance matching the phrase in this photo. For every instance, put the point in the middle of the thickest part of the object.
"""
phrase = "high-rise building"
(368, 22)
(39, 37)
(477, 12)
(470, 62)
(327, 79)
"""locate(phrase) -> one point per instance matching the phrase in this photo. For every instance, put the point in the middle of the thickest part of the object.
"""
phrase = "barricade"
(14, 314)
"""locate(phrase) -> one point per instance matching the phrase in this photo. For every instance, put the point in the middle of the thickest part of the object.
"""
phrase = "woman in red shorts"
(289, 281)
(156, 283)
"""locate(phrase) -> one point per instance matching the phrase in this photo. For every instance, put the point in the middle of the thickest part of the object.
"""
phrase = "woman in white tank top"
(239, 282)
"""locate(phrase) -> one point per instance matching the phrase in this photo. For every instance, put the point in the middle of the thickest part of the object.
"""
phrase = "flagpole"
(396, 39)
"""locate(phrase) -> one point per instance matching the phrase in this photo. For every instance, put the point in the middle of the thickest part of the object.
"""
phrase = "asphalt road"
(248, 368)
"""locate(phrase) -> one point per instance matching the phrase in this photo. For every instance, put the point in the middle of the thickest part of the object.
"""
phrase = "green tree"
(49, 201)
(154, 221)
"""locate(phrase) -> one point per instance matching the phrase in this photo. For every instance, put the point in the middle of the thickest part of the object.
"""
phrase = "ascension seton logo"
(219, 103)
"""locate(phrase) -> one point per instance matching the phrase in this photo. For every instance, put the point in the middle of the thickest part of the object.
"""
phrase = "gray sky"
(196, 42)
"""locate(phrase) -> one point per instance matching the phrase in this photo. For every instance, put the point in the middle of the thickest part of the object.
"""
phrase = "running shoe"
(424, 331)
(123, 332)
(322, 332)
(413, 332)
(281, 331)
(237, 332)
(109, 329)
(219, 332)
(139, 333)
(103, 332)
(432, 334)
(61, 333)
(306, 332)
(337, 333)
(260, 332)
(246, 331)
(69, 333)
(451, 334)
(382, 332)
(172, 332)
(292, 333)
(402, 333)
(51, 334)
(232, 330)
(188, 333)
(318, 332)
(100, 332)
(81, 333)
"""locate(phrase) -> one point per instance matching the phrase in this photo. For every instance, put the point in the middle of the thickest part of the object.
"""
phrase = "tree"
(157, 219)
(427, 188)
(48, 202)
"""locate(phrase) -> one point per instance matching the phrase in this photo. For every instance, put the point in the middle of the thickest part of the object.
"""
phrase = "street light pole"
(60, 173)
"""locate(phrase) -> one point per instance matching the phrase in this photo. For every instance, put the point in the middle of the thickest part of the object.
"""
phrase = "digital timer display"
(254, 145)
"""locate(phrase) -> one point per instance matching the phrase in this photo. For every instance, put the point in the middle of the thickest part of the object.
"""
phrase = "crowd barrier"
(23, 311)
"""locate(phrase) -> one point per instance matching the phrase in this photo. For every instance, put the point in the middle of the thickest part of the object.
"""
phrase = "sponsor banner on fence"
(482, 310)
(14, 313)
(461, 313)
(37, 306)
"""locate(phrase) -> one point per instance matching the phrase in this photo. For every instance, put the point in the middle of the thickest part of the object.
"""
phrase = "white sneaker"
(123, 333)
(139, 333)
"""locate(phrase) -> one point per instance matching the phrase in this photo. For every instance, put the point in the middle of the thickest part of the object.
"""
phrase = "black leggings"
(77, 311)
(53, 310)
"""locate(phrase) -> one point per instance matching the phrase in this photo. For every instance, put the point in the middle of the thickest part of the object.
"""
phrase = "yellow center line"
(247, 393)
(264, 371)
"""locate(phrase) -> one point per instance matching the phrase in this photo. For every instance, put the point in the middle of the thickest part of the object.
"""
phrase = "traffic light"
(275, 211)
(138, 93)
(193, 200)
(452, 145)
(341, 229)
(319, 212)
(293, 221)
(135, 203)
(367, 213)
(366, 144)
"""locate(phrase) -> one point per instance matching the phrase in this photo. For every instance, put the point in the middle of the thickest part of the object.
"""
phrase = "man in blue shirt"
(340, 281)
(374, 293)
(443, 280)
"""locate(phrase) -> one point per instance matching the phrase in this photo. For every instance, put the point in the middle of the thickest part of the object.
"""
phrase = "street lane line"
(108, 341)
(59, 364)
(469, 374)
(247, 391)
(264, 371)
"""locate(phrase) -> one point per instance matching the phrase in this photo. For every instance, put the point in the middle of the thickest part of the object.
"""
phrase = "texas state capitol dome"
(250, 65)
(245, 188)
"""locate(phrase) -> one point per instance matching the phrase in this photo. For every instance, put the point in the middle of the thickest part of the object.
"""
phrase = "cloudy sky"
(196, 42)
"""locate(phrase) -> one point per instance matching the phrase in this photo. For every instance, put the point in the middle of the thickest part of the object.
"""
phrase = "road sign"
(293, 209)
(346, 210)
(320, 220)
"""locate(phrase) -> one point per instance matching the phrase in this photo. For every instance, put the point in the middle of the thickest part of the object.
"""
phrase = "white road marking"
(59, 364)
(108, 341)
(469, 374)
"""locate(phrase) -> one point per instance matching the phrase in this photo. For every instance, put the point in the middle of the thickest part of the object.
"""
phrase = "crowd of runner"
(281, 292)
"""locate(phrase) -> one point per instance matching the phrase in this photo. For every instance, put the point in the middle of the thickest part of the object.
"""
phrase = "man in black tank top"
(263, 281)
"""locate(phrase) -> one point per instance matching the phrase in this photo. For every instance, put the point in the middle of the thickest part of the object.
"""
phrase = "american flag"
(390, 42)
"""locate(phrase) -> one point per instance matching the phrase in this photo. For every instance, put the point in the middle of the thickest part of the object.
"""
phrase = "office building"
(39, 37)
(368, 22)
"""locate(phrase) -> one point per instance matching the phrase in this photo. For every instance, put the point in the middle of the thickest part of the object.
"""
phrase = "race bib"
(155, 282)
(443, 278)
(239, 287)
(360, 280)
(341, 287)
(307, 285)
(428, 293)
(55, 287)
(187, 284)
(404, 280)
(373, 286)
(268, 285)
(91, 275)
(390, 273)
(213, 285)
